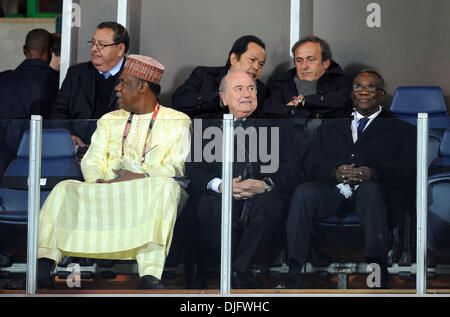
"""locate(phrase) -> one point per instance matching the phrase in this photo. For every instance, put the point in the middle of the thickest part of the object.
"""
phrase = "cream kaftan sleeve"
(173, 149)
(95, 162)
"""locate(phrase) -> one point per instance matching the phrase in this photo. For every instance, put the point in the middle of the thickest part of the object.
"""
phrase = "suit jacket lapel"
(379, 125)
(89, 86)
(113, 99)
(344, 127)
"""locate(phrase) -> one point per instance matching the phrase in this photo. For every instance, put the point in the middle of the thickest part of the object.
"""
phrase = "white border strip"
(227, 199)
(34, 175)
(66, 36)
(422, 202)
(122, 12)
(295, 23)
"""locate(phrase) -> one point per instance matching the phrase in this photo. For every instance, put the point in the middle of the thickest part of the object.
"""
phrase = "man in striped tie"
(364, 165)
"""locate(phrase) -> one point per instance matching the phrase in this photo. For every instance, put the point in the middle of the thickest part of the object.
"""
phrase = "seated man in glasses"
(365, 164)
(128, 205)
(87, 91)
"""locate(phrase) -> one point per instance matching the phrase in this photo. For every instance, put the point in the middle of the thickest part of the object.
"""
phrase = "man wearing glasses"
(88, 89)
(364, 165)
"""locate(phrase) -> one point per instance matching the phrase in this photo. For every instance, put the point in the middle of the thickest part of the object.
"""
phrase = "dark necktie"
(361, 125)
(247, 172)
(239, 123)
(247, 168)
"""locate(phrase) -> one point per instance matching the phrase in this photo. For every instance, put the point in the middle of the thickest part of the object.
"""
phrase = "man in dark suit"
(199, 97)
(260, 188)
(365, 164)
(28, 90)
(315, 88)
(32, 86)
(88, 89)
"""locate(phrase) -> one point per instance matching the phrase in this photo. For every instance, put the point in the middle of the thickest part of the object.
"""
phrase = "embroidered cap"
(144, 67)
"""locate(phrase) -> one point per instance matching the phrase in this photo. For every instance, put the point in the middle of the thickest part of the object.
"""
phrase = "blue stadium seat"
(58, 163)
(408, 101)
(344, 232)
(439, 199)
(441, 164)
(349, 221)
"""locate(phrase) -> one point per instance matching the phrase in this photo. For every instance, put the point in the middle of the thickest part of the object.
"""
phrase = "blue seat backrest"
(444, 148)
(410, 100)
(441, 164)
(56, 144)
(58, 155)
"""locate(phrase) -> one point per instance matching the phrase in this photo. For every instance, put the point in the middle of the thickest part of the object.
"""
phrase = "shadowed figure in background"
(28, 90)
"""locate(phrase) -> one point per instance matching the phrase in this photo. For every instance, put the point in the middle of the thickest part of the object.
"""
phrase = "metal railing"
(225, 276)
(34, 189)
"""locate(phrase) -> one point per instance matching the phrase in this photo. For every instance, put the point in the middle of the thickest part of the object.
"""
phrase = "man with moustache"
(127, 207)
(199, 97)
(366, 165)
(87, 91)
(259, 197)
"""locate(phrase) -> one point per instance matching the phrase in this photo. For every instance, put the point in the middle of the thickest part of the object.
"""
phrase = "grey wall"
(183, 34)
(12, 38)
(92, 13)
(134, 25)
(412, 46)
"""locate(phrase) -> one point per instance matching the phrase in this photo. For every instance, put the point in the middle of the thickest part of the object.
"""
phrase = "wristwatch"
(269, 184)
(298, 101)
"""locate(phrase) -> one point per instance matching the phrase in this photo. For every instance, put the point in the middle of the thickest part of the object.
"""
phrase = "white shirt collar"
(115, 69)
(357, 115)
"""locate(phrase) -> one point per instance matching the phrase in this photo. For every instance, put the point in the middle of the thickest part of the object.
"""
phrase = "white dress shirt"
(355, 122)
(215, 182)
(115, 69)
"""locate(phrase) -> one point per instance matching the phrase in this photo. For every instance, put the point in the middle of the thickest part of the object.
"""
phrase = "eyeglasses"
(100, 46)
(369, 88)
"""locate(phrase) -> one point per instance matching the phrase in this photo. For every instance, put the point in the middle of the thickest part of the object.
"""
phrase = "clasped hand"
(349, 174)
(122, 176)
(245, 189)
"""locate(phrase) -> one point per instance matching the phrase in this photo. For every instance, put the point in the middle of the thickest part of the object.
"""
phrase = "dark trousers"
(264, 219)
(314, 201)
